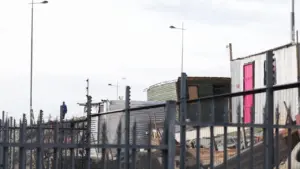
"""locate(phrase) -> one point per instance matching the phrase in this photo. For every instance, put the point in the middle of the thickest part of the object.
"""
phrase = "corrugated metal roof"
(161, 83)
(260, 53)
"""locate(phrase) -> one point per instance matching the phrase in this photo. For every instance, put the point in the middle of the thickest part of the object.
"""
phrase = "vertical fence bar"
(277, 140)
(127, 128)
(149, 143)
(1, 143)
(169, 135)
(72, 149)
(2, 139)
(31, 151)
(89, 135)
(39, 159)
(198, 144)
(5, 147)
(103, 150)
(238, 146)
(183, 112)
(10, 141)
(252, 139)
(119, 136)
(22, 149)
(225, 138)
(264, 138)
(57, 145)
(134, 144)
(14, 140)
(270, 107)
(212, 135)
(61, 141)
(290, 141)
(77, 140)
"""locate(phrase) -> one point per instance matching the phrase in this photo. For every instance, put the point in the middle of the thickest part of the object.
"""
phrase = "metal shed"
(249, 73)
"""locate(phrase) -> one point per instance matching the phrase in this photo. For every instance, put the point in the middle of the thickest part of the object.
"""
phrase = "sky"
(108, 40)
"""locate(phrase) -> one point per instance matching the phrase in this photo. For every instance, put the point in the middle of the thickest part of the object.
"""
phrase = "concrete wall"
(286, 63)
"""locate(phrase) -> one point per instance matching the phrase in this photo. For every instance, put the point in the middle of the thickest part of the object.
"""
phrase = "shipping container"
(250, 73)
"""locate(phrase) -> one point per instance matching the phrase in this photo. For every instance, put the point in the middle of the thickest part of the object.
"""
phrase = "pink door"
(248, 85)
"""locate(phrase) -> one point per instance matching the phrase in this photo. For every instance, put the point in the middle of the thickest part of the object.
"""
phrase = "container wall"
(286, 69)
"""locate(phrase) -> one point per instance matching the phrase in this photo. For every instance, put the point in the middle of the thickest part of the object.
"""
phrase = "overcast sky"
(105, 40)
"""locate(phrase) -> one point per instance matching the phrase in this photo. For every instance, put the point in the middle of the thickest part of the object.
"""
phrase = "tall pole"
(182, 30)
(293, 22)
(117, 90)
(31, 64)
(31, 71)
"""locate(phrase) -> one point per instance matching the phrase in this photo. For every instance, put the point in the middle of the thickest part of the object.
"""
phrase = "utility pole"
(182, 42)
(31, 58)
(293, 22)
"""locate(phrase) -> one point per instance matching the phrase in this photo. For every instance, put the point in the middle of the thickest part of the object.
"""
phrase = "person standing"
(63, 110)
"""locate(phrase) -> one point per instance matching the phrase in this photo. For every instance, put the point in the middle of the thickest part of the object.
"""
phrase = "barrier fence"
(150, 137)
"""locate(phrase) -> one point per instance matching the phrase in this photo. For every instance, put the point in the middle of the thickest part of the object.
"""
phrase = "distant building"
(162, 91)
(197, 87)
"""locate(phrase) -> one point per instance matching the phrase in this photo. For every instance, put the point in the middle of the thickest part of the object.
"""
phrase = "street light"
(182, 30)
(31, 57)
(116, 86)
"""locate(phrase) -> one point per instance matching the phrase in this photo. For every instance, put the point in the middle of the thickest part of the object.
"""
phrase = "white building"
(250, 70)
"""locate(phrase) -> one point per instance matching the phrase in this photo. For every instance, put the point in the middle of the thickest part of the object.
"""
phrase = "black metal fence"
(150, 137)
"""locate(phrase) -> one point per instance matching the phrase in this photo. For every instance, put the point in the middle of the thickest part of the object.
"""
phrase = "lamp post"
(116, 86)
(31, 57)
(182, 30)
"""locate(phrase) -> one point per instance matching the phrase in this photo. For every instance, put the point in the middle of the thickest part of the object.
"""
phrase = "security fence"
(150, 137)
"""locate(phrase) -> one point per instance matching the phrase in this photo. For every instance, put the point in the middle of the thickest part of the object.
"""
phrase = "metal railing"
(149, 136)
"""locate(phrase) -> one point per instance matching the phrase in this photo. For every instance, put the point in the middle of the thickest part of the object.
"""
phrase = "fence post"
(22, 149)
(198, 144)
(212, 146)
(5, 147)
(1, 143)
(14, 140)
(127, 127)
(57, 145)
(89, 124)
(270, 110)
(226, 121)
(10, 133)
(39, 160)
(134, 135)
(183, 111)
(61, 141)
(103, 139)
(169, 135)
(72, 154)
(149, 143)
